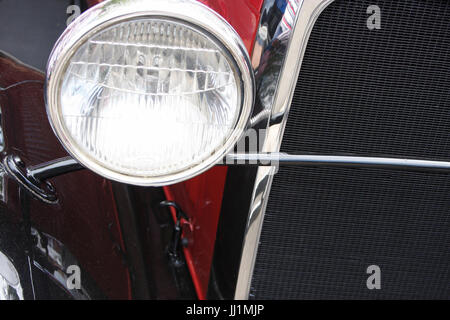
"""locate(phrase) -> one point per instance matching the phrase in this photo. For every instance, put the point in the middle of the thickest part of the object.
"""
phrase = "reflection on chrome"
(268, 54)
(2, 138)
(2, 183)
(278, 68)
(10, 287)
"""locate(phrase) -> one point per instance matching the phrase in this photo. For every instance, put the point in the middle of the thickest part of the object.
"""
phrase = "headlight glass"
(150, 97)
(149, 92)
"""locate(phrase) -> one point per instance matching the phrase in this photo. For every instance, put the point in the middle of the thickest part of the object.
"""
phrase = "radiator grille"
(379, 92)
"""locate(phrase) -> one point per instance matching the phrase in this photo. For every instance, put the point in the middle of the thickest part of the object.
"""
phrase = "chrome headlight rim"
(108, 14)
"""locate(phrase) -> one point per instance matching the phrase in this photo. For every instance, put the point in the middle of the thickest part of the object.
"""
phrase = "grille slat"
(364, 92)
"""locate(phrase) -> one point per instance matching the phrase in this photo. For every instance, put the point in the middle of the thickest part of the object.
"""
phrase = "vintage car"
(225, 149)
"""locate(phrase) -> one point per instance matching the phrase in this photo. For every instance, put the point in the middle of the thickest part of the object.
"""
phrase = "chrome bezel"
(109, 13)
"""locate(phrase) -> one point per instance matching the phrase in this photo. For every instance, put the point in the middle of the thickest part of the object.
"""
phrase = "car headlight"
(149, 92)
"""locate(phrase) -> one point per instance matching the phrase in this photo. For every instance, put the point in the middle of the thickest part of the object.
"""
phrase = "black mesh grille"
(366, 92)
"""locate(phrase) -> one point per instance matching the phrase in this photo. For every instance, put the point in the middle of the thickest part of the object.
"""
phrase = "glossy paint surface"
(243, 15)
(85, 218)
(84, 223)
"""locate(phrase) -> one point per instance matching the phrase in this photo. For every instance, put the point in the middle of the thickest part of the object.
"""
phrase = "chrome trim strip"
(304, 22)
(306, 160)
(54, 168)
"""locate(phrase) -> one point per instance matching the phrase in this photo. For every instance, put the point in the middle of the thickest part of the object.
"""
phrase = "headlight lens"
(150, 97)
(150, 100)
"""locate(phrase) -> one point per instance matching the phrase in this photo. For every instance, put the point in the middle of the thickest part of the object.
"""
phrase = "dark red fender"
(85, 219)
(201, 197)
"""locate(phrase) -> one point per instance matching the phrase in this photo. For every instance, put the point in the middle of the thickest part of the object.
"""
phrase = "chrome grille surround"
(298, 37)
